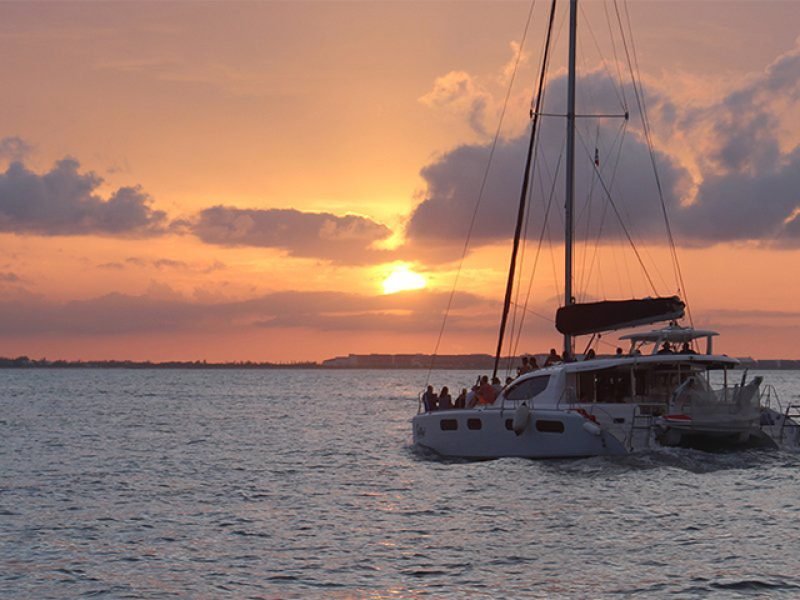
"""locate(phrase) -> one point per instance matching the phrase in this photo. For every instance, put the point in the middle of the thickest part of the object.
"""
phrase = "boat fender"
(592, 427)
(522, 417)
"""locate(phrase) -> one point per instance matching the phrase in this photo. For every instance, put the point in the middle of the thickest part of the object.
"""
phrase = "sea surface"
(303, 484)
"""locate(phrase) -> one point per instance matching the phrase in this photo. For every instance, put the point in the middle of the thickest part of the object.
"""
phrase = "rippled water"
(302, 484)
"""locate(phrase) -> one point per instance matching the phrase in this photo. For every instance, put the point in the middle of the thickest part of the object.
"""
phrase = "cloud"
(162, 310)
(453, 180)
(167, 263)
(458, 93)
(742, 206)
(9, 278)
(750, 176)
(729, 171)
(14, 148)
(64, 201)
(345, 239)
(111, 266)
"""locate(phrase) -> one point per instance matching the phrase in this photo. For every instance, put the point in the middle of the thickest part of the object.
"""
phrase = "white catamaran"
(659, 393)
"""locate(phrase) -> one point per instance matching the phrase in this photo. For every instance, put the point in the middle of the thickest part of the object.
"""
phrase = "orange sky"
(236, 181)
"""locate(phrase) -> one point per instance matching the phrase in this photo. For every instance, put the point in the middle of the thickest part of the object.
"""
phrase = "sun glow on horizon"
(403, 279)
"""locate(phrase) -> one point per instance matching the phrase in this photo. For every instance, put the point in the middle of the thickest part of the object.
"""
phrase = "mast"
(523, 193)
(569, 201)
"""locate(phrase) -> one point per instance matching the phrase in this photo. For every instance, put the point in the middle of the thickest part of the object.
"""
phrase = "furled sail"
(608, 315)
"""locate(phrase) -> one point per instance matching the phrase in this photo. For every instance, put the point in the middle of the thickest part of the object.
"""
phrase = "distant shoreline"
(480, 362)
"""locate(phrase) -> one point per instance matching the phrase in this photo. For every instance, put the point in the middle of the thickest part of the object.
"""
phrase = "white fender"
(521, 418)
(592, 427)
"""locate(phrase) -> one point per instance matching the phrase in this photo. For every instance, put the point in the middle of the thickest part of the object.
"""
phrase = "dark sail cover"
(596, 317)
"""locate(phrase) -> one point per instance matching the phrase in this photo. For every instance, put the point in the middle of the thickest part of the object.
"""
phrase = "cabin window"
(510, 424)
(549, 426)
(528, 389)
(604, 386)
(474, 424)
(448, 424)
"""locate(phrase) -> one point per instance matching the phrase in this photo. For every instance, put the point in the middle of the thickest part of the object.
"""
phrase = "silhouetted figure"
(461, 401)
(666, 348)
(552, 358)
(687, 349)
(445, 400)
(525, 367)
(590, 354)
(429, 400)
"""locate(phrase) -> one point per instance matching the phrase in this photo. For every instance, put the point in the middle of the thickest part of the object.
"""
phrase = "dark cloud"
(345, 239)
(741, 206)
(163, 264)
(747, 192)
(9, 278)
(112, 266)
(749, 188)
(64, 201)
(162, 311)
(14, 148)
(454, 179)
(167, 263)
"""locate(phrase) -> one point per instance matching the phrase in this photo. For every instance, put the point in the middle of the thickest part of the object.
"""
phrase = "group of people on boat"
(666, 348)
(483, 392)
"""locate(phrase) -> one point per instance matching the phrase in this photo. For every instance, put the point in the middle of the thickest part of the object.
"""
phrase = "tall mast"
(523, 196)
(570, 165)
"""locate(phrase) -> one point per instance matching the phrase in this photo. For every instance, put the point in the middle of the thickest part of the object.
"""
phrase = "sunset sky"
(261, 180)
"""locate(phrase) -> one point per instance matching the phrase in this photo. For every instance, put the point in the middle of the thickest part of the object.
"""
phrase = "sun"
(402, 279)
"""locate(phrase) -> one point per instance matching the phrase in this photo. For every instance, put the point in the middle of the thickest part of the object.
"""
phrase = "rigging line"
(636, 81)
(587, 23)
(668, 225)
(581, 250)
(587, 208)
(536, 314)
(644, 250)
(545, 229)
(516, 333)
(541, 162)
(536, 160)
(616, 152)
(621, 222)
(523, 195)
(616, 57)
(481, 191)
(514, 339)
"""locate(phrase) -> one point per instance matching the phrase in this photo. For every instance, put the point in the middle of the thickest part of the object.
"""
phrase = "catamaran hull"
(489, 433)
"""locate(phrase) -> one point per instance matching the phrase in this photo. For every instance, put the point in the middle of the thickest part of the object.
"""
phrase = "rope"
(480, 193)
(633, 66)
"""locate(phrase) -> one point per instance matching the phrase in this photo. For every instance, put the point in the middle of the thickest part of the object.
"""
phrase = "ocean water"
(303, 484)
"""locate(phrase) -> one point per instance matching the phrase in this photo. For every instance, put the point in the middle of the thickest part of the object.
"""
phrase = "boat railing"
(769, 395)
(569, 395)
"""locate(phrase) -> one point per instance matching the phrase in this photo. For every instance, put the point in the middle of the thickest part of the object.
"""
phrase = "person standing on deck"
(486, 393)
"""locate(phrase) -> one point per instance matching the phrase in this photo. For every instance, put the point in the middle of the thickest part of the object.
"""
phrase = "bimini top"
(673, 334)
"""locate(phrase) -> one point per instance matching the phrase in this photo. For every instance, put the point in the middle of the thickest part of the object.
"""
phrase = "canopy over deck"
(673, 334)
